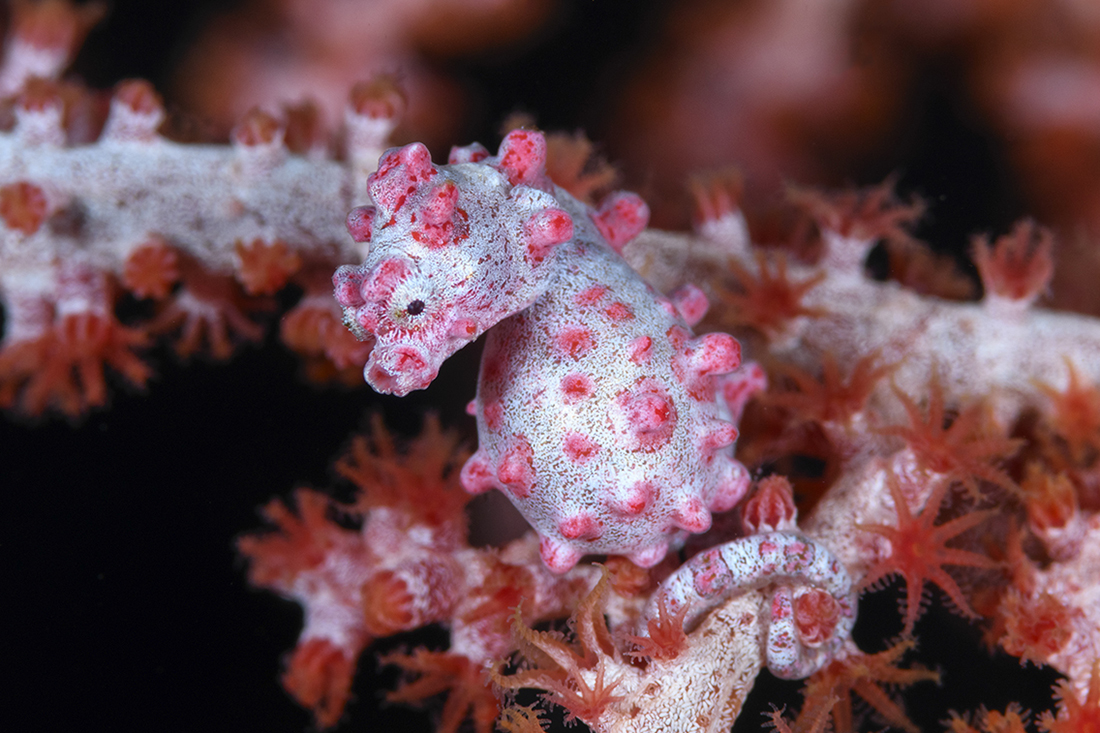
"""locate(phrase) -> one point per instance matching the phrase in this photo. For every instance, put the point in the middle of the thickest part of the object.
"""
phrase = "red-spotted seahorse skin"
(601, 416)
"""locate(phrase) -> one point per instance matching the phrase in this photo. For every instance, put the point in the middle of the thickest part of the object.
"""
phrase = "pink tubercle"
(399, 173)
(477, 475)
(580, 526)
(347, 283)
(522, 157)
(359, 222)
(619, 311)
(635, 499)
(645, 415)
(691, 303)
(516, 467)
(718, 435)
(579, 448)
(621, 217)
(544, 231)
(641, 350)
(692, 515)
(493, 413)
(574, 341)
(590, 296)
(558, 556)
(575, 387)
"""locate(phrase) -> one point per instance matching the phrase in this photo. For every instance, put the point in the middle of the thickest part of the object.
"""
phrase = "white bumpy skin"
(600, 415)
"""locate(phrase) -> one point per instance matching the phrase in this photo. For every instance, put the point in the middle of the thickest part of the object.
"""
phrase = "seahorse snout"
(399, 370)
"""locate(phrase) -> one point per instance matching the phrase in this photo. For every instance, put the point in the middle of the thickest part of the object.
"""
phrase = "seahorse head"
(454, 249)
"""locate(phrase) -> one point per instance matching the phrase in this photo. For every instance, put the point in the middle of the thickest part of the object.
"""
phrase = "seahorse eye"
(415, 308)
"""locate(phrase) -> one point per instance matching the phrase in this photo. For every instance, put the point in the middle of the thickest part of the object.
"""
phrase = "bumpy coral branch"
(110, 200)
(984, 369)
(977, 350)
(409, 565)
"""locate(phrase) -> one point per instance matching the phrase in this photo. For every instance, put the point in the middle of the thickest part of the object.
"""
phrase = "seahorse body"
(599, 413)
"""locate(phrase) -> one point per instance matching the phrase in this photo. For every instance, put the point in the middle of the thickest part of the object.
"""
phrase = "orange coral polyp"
(63, 369)
(151, 269)
(865, 214)
(1074, 413)
(257, 128)
(303, 538)
(919, 551)
(54, 24)
(1051, 499)
(139, 95)
(963, 449)
(1076, 713)
(209, 313)
(833, 399)
(771, 507)
(769, 299)
(468, 694)
(816, 614)
(265, 267)
(1035, 627)
(380, 98)
(666, 638)
(387, 604)
(573, 164)
(561, 665)
(319, 676)
(865, 675)
(1018, 265)
(23, 206)
(716, 195)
